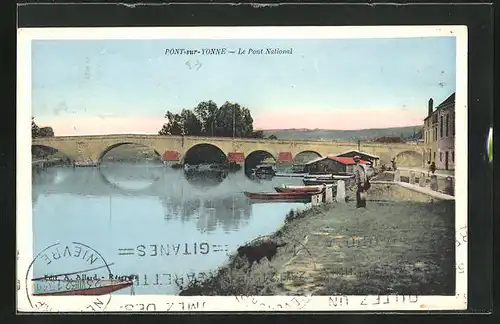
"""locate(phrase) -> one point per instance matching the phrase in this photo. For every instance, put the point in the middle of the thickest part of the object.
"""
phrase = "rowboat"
(83, 288)
(283, 195)
(319, 176)
(291, 175)
(333, 176)
(312, 181)
(285, 188)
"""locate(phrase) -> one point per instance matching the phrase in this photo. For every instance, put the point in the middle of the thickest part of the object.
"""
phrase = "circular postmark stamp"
(71, 269)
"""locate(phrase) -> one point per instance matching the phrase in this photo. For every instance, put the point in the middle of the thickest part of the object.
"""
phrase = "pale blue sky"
(134, 78)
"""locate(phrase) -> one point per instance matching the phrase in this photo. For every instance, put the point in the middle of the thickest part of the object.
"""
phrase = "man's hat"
(357, 157)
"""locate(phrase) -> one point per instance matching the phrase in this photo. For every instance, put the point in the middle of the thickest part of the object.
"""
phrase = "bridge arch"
(44, 151)
(204, 153)
(113, 146)
(409, 159)
(306, 156)
(256, 157)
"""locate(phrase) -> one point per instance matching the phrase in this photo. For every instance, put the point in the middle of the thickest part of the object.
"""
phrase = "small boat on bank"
(286, 188)
(283, 196)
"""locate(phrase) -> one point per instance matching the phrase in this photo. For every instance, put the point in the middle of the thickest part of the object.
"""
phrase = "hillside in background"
(406, 133)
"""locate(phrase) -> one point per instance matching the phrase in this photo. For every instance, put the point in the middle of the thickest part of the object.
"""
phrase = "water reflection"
(205, 179)
(130, 176)
(208, 200)
(226, 212)
(145, 209)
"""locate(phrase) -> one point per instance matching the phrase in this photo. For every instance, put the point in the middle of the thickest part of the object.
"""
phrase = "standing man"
(393, 162)
(433, 167)
(360, 179)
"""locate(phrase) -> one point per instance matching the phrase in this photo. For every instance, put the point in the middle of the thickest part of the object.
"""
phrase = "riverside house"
(332, 164)
(363, 155)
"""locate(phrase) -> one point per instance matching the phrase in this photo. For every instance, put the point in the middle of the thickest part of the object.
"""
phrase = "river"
(152, 221)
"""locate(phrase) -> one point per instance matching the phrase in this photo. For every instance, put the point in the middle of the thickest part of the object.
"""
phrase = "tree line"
(207, 119)
(37, 131)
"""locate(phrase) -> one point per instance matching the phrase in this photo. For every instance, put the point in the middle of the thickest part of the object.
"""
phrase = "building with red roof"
(332, 164)
(374, 159)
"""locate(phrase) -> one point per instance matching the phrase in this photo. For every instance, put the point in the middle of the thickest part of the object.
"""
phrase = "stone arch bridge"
(174, 148)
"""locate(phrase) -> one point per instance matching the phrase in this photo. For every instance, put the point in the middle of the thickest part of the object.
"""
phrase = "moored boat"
(277, 201)
(291, 175)
(283, 195)
(286, 188)
(318, 176)
(334, 176)
(312, 181)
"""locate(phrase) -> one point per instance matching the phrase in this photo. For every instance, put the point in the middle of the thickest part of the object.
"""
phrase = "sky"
(87, 87)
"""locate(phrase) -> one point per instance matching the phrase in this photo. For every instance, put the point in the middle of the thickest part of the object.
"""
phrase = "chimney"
(430, 106)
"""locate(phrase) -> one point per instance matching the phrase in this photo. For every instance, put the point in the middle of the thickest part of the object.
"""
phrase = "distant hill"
(407, 133)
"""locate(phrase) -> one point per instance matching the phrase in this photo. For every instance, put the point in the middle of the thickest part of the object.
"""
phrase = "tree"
(191, 125)
(234, 120)
(173, 126)
(247, 123)
(258, 134)
(206, 111)
(388, 139)
(46, 132)
(229, 120)
(272, 137)
(185, 123)
(35, 130)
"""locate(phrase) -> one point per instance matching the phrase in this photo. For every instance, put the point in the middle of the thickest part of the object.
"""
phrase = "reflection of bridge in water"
(212, 202)
(137, 180)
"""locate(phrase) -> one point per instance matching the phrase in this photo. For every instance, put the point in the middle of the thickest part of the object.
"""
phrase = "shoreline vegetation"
(232, 278)
(403, 243)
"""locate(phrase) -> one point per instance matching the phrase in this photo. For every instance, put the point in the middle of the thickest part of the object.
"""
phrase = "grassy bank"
(403, 243)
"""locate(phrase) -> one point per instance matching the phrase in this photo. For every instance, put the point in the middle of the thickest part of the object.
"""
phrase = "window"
(434, 156)
(453, 125)
(440, 156)
(447, 123)
(453, 156)
(441, 127)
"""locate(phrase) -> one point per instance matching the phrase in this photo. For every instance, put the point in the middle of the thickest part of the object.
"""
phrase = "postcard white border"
(257, 303)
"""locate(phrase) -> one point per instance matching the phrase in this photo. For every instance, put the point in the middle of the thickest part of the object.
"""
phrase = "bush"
(236, 279)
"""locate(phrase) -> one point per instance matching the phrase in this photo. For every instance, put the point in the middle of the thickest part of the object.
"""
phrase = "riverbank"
(402, 243)
(40, 164)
